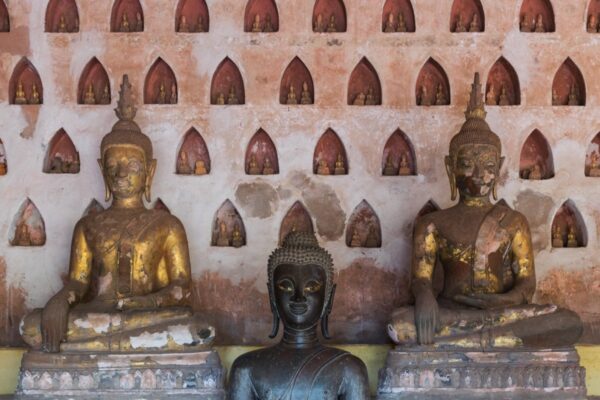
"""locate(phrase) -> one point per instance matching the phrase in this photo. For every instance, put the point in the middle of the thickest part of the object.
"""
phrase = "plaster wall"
(231, 283)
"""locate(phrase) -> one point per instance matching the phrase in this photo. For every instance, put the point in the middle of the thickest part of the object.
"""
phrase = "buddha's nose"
(121, 172)
(299, 296)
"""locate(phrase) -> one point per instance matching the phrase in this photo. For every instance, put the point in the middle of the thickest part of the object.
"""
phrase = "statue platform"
(191, 375)
(422, 373)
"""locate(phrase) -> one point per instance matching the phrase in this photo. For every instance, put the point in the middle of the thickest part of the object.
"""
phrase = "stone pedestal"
(193, 375)
(425, 374)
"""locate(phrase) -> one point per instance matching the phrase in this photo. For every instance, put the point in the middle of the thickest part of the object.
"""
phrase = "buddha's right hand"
(426, 317)
(54, 323)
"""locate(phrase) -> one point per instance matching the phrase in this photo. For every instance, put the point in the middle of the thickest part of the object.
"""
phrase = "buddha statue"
(301, 293)
(390, 24)
(162, 94)
(474, 26)
(232, 97)
(20, 97)
(360, 99)
(62, 24)
(401, 23)
(291, 97)
(539, 24)
(424, 99)
(256, 25)
(35, 95)
(573, 96)
(490, 97)
(268, 167)
(56, 165)
(22, 236)
(592, 25)
(183, 164)
(201, 27)
(332, 27)
(183, 25)
(105, 95)
(76, 25)
(200, 168)
(594, 164)
(572, 237)
(253, 168)
(557, 237)
(555, 98)
(355, 241)
(504, 100)
(372, 240)
(404, 169)
(173, 99)
(525, 25)
(124, 23)
(319, 26)
(371, 100)
(389, 169)
(90, 97)
(139, 24)
(535, 174)
(306, 98)
(221, 99)
(340, 165)
(486, 253)
(268, 24)
(223, 234)
(237, 240)
(323, 168)
(459, 27)
(129, 272)
(440, 96)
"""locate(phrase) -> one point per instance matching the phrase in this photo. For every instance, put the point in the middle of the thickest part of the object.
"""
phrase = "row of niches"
(329, 158)
(329, 16)
(363, 228)
(297, 87)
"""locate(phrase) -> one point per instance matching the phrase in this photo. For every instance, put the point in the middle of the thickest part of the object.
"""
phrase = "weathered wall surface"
(230, 283)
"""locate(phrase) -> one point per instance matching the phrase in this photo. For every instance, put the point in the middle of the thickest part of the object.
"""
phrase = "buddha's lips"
(298, 308)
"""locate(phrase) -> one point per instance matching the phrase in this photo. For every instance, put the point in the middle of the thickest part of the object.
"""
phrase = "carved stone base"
(197, 375)
(424, 374)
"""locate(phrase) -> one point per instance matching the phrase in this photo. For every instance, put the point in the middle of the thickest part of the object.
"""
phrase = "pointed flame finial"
(475, 107)
(125, 106)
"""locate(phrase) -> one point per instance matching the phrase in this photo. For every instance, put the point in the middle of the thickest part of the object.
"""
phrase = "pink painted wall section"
(230, 282)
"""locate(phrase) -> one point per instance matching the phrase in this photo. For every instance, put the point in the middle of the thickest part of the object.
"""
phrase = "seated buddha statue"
(301, 292)
(128, 287)
(484, 252)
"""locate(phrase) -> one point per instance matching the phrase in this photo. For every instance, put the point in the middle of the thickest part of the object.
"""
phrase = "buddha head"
(474, 160)
(300, 284)
(126, 153)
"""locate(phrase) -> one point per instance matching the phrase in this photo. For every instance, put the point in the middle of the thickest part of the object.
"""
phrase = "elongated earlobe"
(451, 177)
(275, 328)
(107, 193)
(149, 176)
(326, 312)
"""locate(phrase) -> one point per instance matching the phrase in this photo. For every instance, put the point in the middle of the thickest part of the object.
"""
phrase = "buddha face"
(475, 169)
(299, 294)
(125, 171)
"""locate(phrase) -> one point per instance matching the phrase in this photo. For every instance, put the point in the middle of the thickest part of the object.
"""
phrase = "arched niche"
(330, 155)
(568, 227)
(261, 155)
(428, 208)
(228, 228)
(4, 17)
(296, 84)
(364, 228)
(433, 87)
(93, 208)
(261, 16)
(192, 16)
(3, 161)
(127, 16)
(398, 16)
(593, 16)
(329, 16)
(536, 16)
(227, 85)
(160, 86)
(592, 158)
(536, 161)
(28, 228)
(94, 86)
(364, 87)
(193, 157)
(467, 16)
(568, 86)
(502, 87)
(398, 156)
(297, 219)
(25, 86)
(61, 157)
(160, 205)
(62, 16)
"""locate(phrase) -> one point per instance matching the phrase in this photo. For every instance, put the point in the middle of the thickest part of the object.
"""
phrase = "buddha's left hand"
(487, 301)
(136, 302)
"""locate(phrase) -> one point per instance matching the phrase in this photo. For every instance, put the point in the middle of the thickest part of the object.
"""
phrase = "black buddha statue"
(301, 292)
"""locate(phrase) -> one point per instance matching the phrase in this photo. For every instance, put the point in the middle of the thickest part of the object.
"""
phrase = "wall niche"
(568, 228)
(227, 87)
(261, 16)
(364, 228)
(160, 86)
(296, 84)
(192, 16)
(25, 86)
(568, 86)
(4, 18)
(536, 162)
(261, 155)
(593, 16)
(62, 157)
(398, 156)
(127, 16)
(502, 87)
(330, 155)
(433, 87)
(297, 219)
(467, 16)
(398, 16)
(160, 205)
(94, 86)
(536, 16)
(228, 227)
(193, 157)
(364, 88)
(329, 16)
(62, 16)
(592, 158)
(3, 162)
(93, 208)
(428, 208)
(28, 228)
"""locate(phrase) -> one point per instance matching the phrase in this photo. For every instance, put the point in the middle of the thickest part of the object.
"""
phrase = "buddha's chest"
(285, 384)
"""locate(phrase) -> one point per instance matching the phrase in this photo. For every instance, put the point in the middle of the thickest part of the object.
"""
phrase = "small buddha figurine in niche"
(221, 99)
(223, 235)
(440, 96)
(35, 95)
(56, 165)
(237, 240)
(526, 23)
(371, 100)
(76, 25)
(360, 99)
(401, 23)
(139, 26)
(555, 98)
(573, 96)
(256, 25)
(232, 97)
(390, 24)
(253, 168)
(268, 167)
(22, 235)
(200, 168)
(268, 24)
(487, 257)
(127, 263)
(162, 94)
(319, 26)
(173, 99)
(291, 97)
(557, 237)
(105, 96)
(340, 166)
(404, 169)
(332, 26)
(301, 292)
(474, 26)
(62, 24)
(201, 24)
(183, 24)
(592, 26)
(20, 97)
(355, 241)
(183, 164)
(460, 25)
(124, 23)
(504, 100)
(594, 164)
(372, 240)
(306, 97)
(90, 97)
(490, 97)
(539, 24)
(323, 168)
(424, 99)
(389, 169)
(572, 237)
(535, 174)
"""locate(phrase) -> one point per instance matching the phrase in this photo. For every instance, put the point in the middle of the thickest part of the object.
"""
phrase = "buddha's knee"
(570, 322)
(401, 328)
(30, 328)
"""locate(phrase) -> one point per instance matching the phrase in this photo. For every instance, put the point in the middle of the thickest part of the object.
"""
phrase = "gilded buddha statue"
(301, 292)
(486, 255)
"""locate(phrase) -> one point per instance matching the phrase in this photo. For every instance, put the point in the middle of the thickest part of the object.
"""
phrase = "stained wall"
(230, 283)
